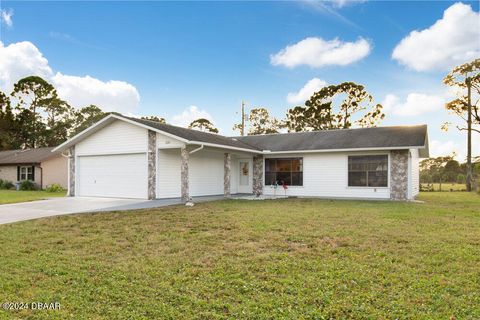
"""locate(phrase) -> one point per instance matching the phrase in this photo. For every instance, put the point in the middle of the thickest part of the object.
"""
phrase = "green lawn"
(292, 258)
(12, 196)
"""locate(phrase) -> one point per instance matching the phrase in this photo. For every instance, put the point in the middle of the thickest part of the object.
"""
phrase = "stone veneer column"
(227, 164)
(184, 175)
(71, 167)
(399, 174)
(258, 175)
(152, 165)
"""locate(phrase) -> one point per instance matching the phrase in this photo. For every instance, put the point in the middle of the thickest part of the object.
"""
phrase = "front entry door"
(245, 176)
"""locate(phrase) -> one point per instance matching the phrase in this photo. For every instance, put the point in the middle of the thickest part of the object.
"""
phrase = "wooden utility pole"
(243, 118)
(469, 134)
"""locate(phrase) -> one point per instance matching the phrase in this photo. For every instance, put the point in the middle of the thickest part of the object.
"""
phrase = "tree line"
(446, 169)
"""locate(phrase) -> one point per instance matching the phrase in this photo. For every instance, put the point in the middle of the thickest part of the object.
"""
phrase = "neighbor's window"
(287, 171)
(26, 173)
(368, 171)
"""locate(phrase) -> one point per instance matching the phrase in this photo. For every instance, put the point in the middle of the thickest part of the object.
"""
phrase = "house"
(133, 158)
(38, 165)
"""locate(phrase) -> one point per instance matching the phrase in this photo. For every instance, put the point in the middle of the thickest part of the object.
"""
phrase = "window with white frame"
(368, 171)
(26, 173)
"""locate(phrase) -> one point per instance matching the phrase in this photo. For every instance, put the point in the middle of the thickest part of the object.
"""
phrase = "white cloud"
(316, 53)
(112, 95)
(452, 40)
(19, 60)
(22, 59)
(306, 92)
(6, 17)
(190, 114)
(343, 3)
(438, 148)
(415, 104)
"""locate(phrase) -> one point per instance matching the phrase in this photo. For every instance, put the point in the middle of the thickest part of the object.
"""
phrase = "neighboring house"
(38, 165)
(127, 157)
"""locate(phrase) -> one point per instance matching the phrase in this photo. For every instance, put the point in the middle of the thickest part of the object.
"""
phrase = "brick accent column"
(227, 164)
(152, 165)
(184, 175)
(258, 175)
(399, 174)
(71, 172)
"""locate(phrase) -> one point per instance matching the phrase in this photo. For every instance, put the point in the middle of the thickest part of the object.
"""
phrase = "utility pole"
(469, 134)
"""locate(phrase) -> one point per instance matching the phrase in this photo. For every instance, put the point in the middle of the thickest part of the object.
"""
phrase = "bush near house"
(6, 185)
(54, 187)
(28, 186)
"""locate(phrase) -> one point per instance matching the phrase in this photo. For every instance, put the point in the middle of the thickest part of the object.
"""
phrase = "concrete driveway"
(60, 206)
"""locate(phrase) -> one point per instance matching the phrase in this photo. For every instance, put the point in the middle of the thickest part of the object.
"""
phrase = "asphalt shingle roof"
(25, 156)
(378, 137)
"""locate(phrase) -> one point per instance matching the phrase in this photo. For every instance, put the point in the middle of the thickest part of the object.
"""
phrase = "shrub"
(27, 185)
(5, 185)
(54, 187)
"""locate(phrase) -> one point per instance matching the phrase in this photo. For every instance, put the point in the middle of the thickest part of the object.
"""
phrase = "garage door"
(123, 176)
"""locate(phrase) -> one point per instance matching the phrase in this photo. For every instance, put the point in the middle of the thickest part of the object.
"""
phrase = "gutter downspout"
(195, 150)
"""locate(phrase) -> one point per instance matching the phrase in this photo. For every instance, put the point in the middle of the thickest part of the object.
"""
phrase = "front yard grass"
(12, 196)
(292, 258)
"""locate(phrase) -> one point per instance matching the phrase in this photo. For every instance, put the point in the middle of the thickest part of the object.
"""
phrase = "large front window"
(281, 171)
(368, 171)
(26, 173)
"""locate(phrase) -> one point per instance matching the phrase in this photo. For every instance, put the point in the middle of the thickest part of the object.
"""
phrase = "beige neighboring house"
(38, 165)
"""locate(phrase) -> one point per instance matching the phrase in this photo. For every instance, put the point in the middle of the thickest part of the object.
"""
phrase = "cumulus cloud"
(316, 53)
(306, 92)
(19, 60)
(6, 17)
(414, 105)
(111, 95)
(22, 59)
(450, 41)
(190, 114)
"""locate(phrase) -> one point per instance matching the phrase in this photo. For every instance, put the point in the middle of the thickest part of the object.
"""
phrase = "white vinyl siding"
(118, 137)
(326, 175)
(168, 173)
(414, 173)
(206, 173)
(122, 176)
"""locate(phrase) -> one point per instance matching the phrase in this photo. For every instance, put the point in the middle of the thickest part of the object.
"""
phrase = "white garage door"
(122, 176)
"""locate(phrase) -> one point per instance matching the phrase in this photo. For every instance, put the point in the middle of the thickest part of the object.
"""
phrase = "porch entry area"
(196, 172)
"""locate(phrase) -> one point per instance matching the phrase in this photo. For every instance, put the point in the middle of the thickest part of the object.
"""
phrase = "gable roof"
(195, 135)
(378, 138)
(342, 139)
(28, 156)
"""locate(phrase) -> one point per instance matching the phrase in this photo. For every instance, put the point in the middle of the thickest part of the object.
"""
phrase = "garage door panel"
(123, 176)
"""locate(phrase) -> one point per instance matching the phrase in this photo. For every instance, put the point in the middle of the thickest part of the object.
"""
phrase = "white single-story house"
(133, 158)
(38, 165)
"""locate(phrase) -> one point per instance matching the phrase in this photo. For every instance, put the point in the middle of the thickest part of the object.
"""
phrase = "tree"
(7, 124)
(32, 94)
(318, 112)
(465, 79)
(86, 117)
(451, 170)
(433, 170)
(262, 123)
(60, 119)
(203, 124)
(154, 118)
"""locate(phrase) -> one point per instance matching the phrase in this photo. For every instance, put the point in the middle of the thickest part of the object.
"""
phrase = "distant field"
(445, 186)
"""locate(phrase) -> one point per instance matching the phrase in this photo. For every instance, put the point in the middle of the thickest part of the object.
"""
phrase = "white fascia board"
(340, 150)
(224, 146)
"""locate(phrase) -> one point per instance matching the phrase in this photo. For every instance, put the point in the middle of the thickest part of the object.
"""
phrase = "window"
(368, 171)
(287, 171)
(26, 173)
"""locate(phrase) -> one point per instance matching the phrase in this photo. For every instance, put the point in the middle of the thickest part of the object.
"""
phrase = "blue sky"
(165, 57)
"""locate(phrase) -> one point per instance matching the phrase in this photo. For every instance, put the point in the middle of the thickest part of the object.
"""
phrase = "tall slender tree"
(7, 124)
(203, 124)
(466, 80)
(260, 122)
(87, 116)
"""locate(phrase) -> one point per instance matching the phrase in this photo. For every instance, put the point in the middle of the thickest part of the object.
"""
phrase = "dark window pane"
(284, 177)
(284, 165)
(297, 165)
(357, 179)
(297, 178)
(377, 179)
(270, 178)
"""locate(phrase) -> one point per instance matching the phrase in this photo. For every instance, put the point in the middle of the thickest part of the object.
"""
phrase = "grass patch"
(292, 258)
(12, 196)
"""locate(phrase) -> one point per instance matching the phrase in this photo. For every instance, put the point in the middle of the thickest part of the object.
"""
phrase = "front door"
(245, 176)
